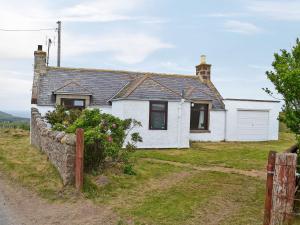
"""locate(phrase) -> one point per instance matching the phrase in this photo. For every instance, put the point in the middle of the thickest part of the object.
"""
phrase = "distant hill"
(5, 117)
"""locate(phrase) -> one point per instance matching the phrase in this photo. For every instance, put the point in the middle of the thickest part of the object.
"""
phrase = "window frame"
(164, 111)
(206, 117)
(73, 100)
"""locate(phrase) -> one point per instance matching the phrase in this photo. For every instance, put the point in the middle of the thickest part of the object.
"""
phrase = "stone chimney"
(203, 70)
(39, 70)
(40, 60)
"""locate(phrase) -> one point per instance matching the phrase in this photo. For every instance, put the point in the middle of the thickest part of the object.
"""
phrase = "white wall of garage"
(251, 120)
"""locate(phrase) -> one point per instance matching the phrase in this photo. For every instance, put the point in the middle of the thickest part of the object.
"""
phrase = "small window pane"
(158, 106)
(201, 124)
(78, 103)
(158, 120)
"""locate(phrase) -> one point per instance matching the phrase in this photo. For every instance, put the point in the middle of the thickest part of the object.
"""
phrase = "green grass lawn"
(240, 155)
(28, 166)
(159, 193)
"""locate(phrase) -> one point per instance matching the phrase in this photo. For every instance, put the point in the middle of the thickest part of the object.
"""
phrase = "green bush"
(61, 118)
(104, 135)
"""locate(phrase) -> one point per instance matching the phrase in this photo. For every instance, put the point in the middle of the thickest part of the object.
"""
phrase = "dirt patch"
(250, 173)
(24, 207)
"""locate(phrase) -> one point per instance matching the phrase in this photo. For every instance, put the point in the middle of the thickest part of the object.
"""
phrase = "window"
(158, 115)
(73, 103)
(199, 117)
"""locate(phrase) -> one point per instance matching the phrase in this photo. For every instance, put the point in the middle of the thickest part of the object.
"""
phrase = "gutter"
(179, 123)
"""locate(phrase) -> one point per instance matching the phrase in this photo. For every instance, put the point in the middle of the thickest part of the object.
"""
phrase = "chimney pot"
(40, 47)
(203, 59)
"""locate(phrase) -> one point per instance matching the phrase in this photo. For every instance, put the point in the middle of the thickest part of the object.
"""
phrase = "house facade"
(173, 109)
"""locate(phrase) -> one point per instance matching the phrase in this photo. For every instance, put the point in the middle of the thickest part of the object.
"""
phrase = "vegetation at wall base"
(104, 135)
(29, 167)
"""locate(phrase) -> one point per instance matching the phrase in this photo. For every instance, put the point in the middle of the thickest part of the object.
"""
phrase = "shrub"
(61, 118)
(104, 135)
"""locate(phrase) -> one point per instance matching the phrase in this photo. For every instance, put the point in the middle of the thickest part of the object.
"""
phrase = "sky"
(239, 38)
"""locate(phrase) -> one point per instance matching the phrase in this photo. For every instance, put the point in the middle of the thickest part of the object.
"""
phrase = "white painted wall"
(177, 134)
(104, 109)
(223, 125)
(232, 107)
(43, 109)
(216, 128)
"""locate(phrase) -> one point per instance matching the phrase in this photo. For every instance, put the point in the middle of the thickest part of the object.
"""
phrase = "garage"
(251, 120)
(252, 125)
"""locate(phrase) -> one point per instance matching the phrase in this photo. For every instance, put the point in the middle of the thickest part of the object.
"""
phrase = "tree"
(286, 78)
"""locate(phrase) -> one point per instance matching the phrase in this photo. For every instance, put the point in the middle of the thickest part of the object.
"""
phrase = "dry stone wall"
(59, 146)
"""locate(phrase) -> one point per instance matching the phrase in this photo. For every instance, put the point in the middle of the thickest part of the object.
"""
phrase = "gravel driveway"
(5, 212)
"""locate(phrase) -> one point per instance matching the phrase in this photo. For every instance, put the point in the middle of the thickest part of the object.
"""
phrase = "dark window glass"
(199, 117)
(158, 115)
(69, 103)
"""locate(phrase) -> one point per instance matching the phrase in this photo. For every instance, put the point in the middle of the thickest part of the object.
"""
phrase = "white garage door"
(253, 125)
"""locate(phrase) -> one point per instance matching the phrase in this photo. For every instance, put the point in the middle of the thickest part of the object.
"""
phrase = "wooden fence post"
(284, 184)
(269, 187)
(79, 159)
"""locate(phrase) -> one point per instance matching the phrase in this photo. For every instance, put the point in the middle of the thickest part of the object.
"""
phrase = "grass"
(202, 199)
(28, 166)
(240, 155)
(120, 183)
(159, 193)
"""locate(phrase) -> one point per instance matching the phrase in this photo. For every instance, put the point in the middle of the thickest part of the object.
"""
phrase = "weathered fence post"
(284, 184)
(79, 159)
(269, 187)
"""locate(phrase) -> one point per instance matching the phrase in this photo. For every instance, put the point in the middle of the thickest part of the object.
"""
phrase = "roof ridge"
(123, 71)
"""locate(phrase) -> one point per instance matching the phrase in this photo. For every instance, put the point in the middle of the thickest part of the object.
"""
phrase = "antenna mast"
(58, 42)
(49, 45)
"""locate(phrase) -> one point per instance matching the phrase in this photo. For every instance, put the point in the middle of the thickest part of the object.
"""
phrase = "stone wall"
(59, 146)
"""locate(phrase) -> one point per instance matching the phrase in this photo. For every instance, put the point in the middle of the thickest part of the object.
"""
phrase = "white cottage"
(173, 109)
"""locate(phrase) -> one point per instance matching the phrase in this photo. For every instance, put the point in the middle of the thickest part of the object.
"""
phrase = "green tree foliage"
(61, 118)
(104, 135)
(286, 78)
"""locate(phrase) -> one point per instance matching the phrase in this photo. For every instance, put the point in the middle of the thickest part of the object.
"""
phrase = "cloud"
(288, 10)
(100, 10)
(241, 27)
(17, 90)
(223, 15)
(125, 47)
(174, 67)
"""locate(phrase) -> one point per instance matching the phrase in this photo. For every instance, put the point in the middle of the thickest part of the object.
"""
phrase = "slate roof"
(111, 85)
(72, 88)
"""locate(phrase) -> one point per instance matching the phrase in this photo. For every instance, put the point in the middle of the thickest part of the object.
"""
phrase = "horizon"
(238, 37)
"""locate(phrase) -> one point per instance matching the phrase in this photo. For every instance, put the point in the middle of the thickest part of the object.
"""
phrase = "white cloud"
(241, 27)
(174, 67)
(125, 47)
(100, 10)
(223, 15)
(18, 92)
(279, 10)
